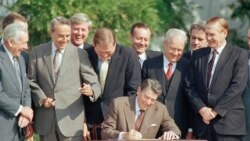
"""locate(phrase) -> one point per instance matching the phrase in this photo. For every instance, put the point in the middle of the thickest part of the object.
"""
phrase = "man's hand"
(170, 135)
(29, 131)
(86, 133)
(27, 112)
(86, 90)
(207, 114)
(48, 102)
(132, 135)
(23, 121)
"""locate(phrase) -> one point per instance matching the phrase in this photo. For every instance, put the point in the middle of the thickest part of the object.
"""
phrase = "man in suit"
(17, 18)
(123, 111)
(140, 35)
(118, 70)
(55, 73)
(217, 80)
(15, 100)
(170, 70)
(80, 28)
(246, 95)
(197, 38)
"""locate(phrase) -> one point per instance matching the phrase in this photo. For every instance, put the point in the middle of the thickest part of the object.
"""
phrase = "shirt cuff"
(120, 135)
(19, 110)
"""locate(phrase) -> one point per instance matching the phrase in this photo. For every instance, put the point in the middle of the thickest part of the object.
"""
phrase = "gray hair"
(81, 18)
(153, 85)
(14, 31)
(58, 20)
(198, 26)
(176, 33)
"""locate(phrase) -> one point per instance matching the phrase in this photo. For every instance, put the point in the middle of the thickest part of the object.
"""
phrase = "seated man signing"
(140, 117)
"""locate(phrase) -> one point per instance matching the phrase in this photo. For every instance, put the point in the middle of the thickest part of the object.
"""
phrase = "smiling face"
(173, 49)
(140, 39)
(16, 46)
(61, 35)
(215, 35)
(79, 33)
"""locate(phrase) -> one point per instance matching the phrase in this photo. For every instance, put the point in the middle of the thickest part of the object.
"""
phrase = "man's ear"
(138, 91)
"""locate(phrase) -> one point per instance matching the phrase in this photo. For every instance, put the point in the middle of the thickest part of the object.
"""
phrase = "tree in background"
(119, 15)
(240, 11)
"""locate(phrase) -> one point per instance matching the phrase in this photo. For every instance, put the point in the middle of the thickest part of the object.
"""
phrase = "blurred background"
(120, 15)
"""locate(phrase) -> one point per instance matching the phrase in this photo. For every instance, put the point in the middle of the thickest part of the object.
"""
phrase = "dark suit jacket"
(246, 100)
(87, 45)
(173, 97)
(187, 55)
(123, 78)
(121, 118)
(151, 53)
(224, 95)
(69, 107)
(11, 97)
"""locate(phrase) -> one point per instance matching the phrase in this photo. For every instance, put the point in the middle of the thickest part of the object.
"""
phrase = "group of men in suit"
(73, 83)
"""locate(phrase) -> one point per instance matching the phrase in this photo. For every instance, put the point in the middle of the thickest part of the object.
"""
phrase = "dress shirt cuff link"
(19, 110)
(92, 97)
(120, 135)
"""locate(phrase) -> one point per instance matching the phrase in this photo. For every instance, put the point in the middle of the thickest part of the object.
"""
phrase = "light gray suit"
(11, 97)
(69, 107)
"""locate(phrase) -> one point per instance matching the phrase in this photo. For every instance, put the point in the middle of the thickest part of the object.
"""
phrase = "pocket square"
(152, 125)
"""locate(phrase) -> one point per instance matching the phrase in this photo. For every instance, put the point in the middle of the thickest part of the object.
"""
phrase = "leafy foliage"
(119, 15)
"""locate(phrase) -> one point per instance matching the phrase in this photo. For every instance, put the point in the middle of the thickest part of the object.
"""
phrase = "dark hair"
(104, 36)
(139, 25)
(11, 18)
(197, 26)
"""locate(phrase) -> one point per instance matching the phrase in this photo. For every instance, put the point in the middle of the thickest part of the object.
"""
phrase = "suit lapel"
(147, 120)
(9, 66)
(66, 59)
(223, 58)
(160, 72)
(129, 111)
(175, 78)
(47, 57)
(204, 62)
(115, 60)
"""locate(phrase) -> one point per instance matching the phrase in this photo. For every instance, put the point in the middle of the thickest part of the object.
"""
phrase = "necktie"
(210, 67)
(103, 73)
(169, 71)
(56, 62)
(139, 120)
(18, 72)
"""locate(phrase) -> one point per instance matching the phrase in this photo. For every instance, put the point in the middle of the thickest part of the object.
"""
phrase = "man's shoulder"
(152, 53)
(41, 46)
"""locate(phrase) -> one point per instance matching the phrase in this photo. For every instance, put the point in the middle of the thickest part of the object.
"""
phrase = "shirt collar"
(143, 56)
(8, 52)
(137, 108)
(166, 62)
(54, 48)
(220, 49)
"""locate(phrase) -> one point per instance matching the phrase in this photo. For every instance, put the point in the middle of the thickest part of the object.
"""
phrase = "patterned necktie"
(103, 73)
(139, 120)
(18, 72)
(169, 71)
(56, 62)
(210, 67)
